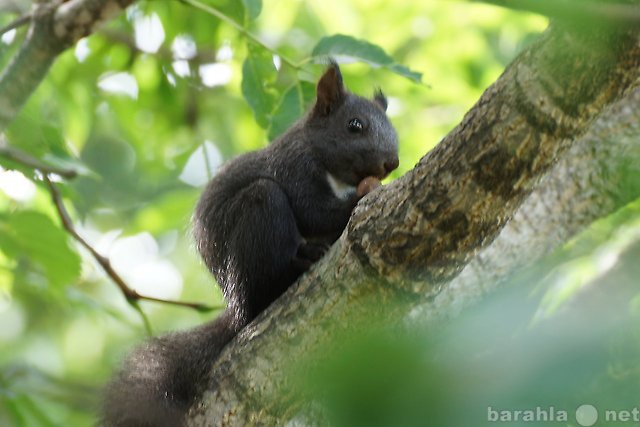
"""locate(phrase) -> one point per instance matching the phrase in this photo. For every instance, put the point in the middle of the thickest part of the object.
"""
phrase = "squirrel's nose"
(391, 164)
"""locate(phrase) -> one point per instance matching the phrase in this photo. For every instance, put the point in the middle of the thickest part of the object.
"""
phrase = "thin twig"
(242, 30)
(143, 315)
(131, 295)
(23, 20)
(19, 156)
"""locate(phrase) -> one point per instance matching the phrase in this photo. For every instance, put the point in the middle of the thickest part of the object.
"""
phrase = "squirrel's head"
(351, 135)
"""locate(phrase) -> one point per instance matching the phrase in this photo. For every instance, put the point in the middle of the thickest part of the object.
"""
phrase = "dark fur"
(260, 223)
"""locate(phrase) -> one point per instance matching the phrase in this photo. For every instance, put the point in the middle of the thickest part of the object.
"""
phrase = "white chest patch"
(340, 189)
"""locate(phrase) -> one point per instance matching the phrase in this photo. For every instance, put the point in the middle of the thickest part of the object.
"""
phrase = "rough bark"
(598, 175)
(407, 240)
(54, 27)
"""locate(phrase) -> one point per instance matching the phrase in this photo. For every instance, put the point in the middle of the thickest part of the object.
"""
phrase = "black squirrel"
(260, 223)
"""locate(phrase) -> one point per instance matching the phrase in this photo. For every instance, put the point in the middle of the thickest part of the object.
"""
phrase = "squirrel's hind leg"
(261, 248)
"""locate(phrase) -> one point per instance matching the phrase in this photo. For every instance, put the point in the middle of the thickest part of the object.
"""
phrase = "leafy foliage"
(31, 237)
(147, 109)
(292, 106)
(258, 75)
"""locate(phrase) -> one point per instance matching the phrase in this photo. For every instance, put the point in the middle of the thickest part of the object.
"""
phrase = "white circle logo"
(586, 415)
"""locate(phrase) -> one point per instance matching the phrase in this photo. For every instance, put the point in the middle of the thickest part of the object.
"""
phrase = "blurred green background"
(146, 109)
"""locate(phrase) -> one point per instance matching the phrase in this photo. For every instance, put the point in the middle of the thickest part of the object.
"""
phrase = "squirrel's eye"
(355, 126)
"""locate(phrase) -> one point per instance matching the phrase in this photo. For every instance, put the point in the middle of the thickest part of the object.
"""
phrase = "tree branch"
(19, 156)
(597, 176)
(462, 193)
(55, 26)
(23, 20)
(408, 239)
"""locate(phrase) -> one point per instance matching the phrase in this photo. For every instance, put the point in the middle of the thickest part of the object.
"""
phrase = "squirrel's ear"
(330, 91)
(380, 99)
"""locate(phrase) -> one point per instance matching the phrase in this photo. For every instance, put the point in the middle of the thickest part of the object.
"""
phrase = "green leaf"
(34, 134)
(252, 9)
(34, 237)
(343, 45)
(258, 74)
(406, 72)
(293, 104)
(340, 45)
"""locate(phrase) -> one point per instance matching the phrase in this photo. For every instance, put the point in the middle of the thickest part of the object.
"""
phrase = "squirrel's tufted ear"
(330, 91)
(380, 99)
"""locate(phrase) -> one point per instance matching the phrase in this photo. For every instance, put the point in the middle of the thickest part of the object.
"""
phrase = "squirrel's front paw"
(300, 265)
(312, 251)
(308, 253)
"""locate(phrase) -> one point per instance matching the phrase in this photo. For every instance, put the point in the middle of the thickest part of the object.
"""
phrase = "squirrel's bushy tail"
(159, 380)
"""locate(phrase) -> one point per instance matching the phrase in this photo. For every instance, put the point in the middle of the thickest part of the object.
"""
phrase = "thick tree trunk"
(406, 241)
(599, 174)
